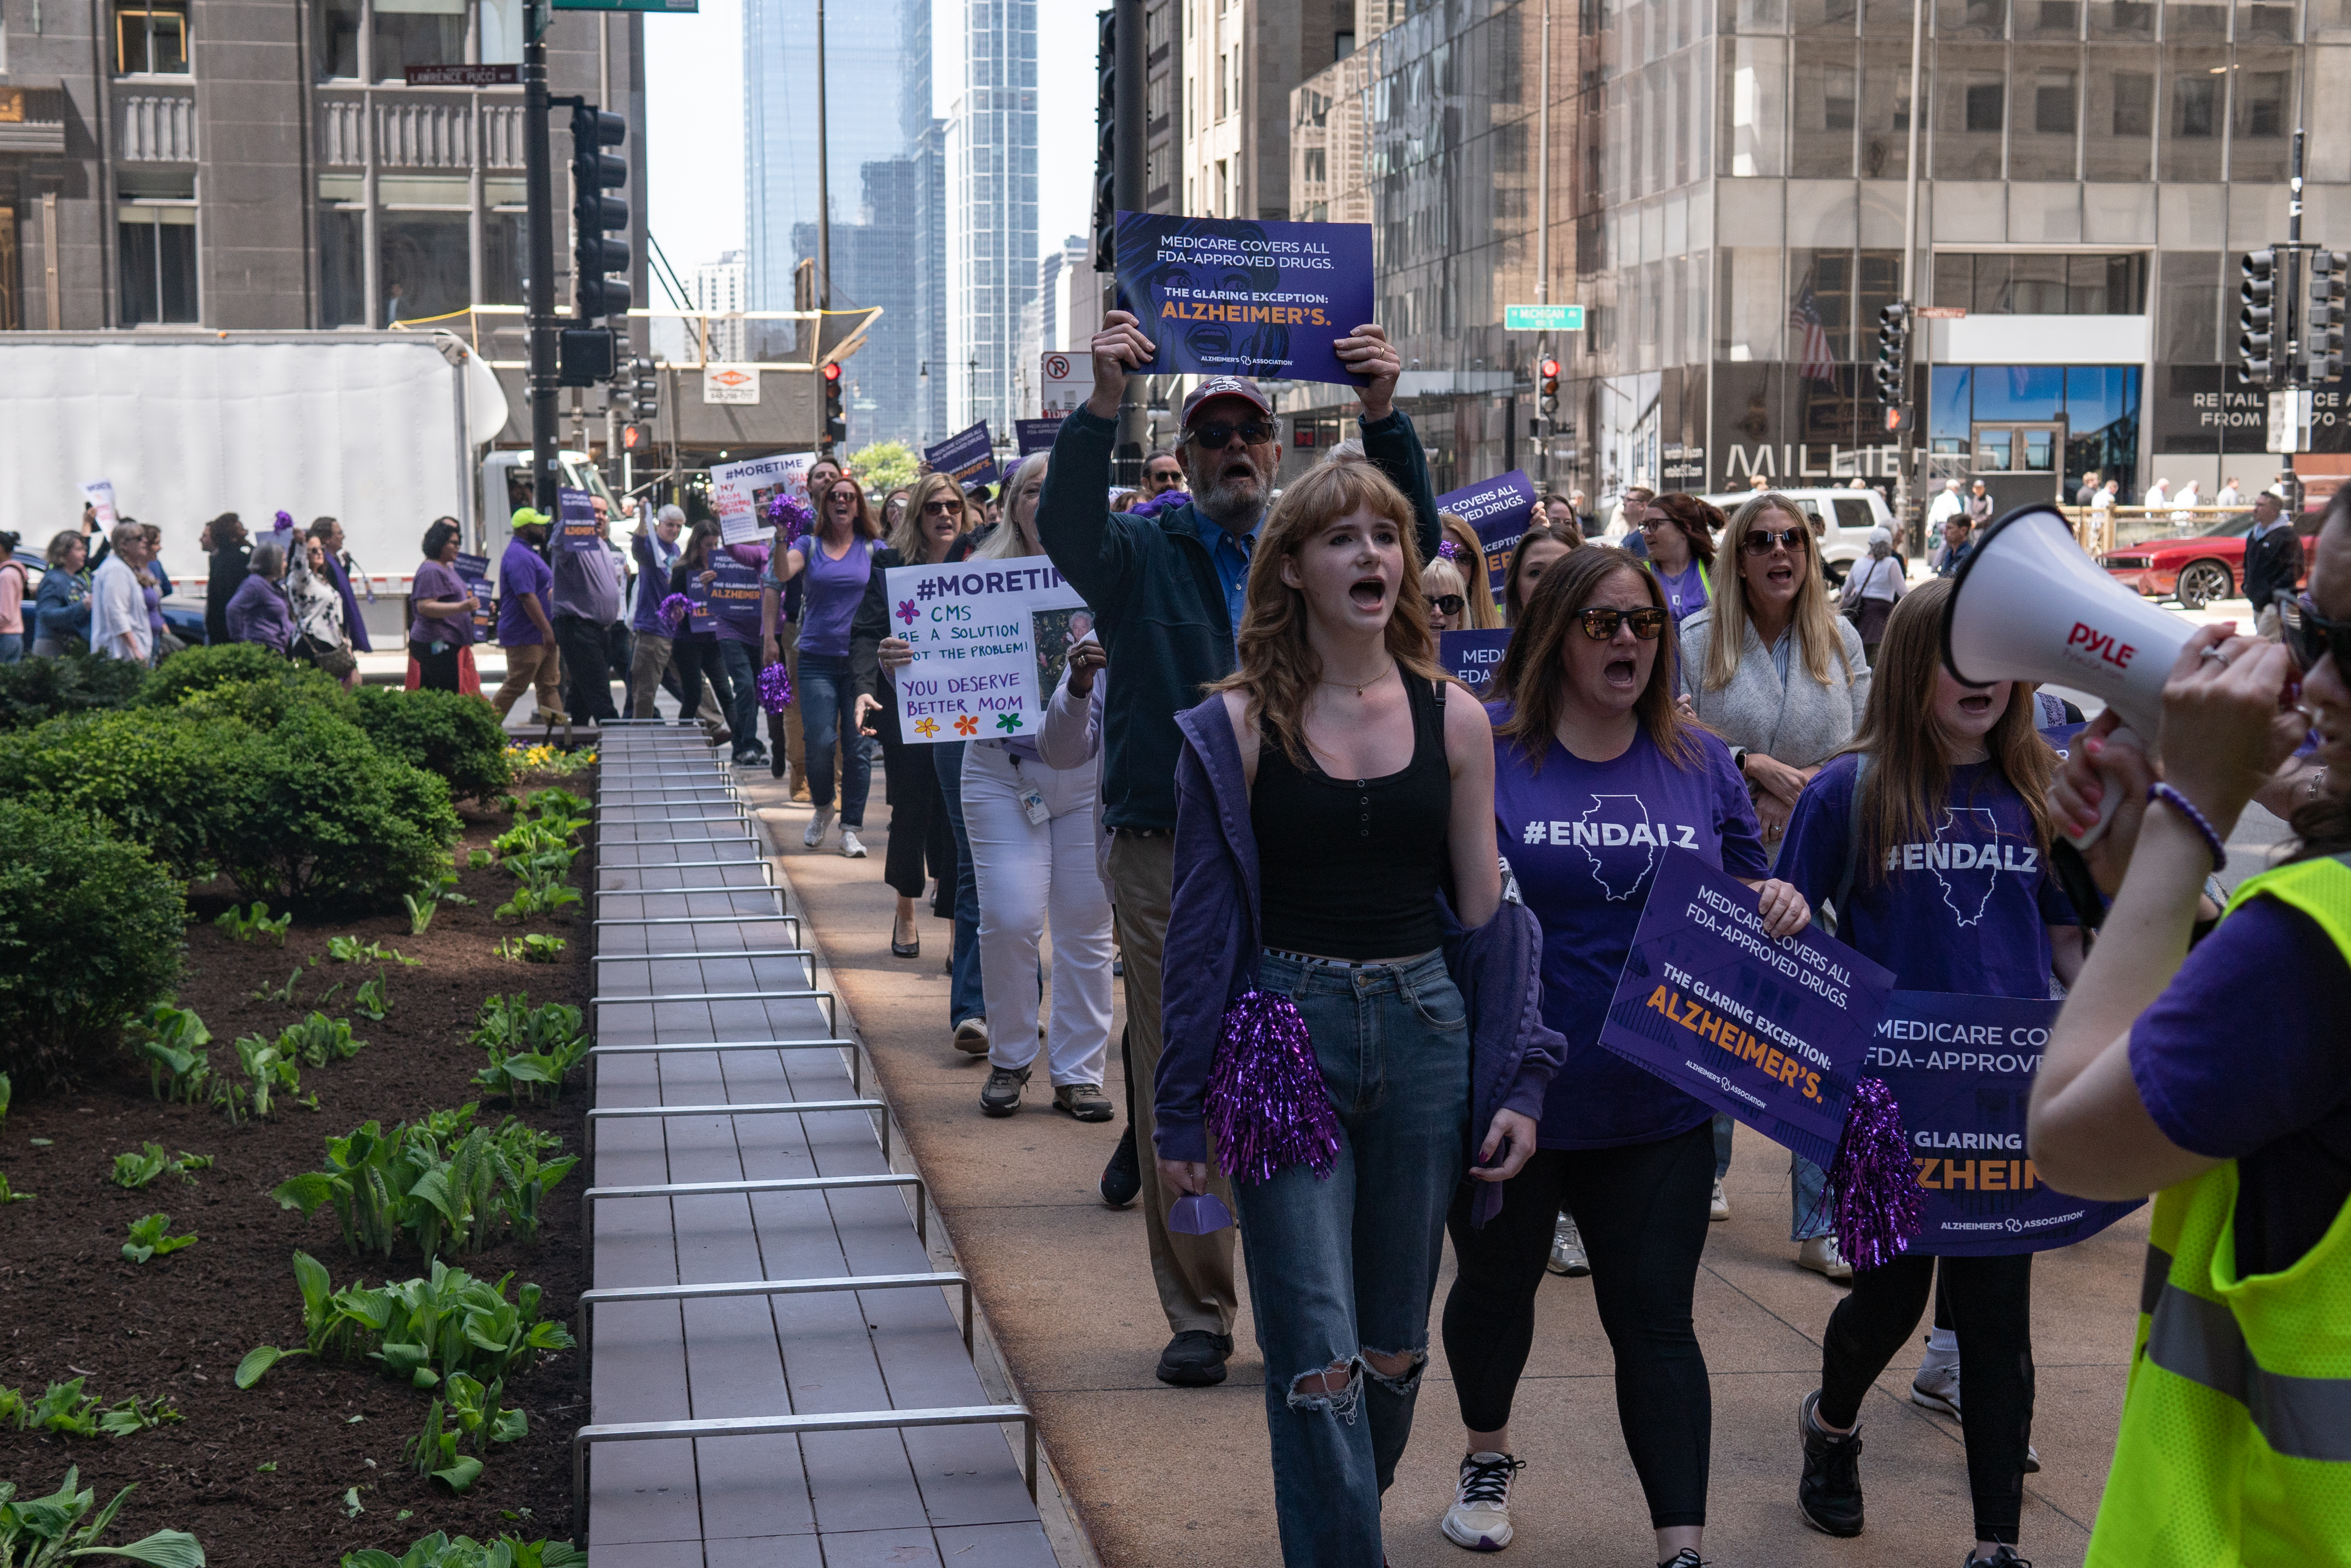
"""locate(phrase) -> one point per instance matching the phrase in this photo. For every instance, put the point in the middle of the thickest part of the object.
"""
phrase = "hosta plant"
(436, 1182)
(135, 1171)
(424, 1331)
(246, 925)
(350, 949)
(65, 1409)
(150, 1237)
(318, 1039)
(438, 1550)
(529, 1047)
(371, 1001)
(173, 1040)
(45, 1531)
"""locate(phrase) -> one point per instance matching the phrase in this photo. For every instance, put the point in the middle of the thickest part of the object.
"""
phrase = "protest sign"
(1473, 657)
(967, 457)
(99, 493)
(1035, 435)
(1961, 1068)
(991, 640)
(474, 571)
(1772, 1030)
(575, 520)
(733, 598)
(1498, 512)
(1233, 296)
(739, 491)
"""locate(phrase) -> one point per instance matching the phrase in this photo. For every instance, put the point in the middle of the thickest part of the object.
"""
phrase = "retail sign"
(730, 383)
(1543, 318)
(464, 76)
(1068, 381)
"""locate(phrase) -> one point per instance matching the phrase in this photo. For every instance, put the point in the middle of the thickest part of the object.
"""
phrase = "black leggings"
(1642, 1210)
(1991, 1302)
(435, 671)
(695, 662)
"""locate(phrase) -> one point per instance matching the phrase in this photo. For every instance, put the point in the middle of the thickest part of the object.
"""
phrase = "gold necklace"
(1361, 687)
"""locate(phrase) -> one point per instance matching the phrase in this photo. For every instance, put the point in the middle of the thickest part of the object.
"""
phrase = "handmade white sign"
(739, 491)
(991, 640)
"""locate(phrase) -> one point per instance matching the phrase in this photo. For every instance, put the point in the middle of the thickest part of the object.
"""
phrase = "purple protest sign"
(1473, 657)
(1498, 510)
(1035, 435)
(1243, 297)
(733, 598)
(575, 520)
(967, 457)
(1771, 1030)
(474, 571)
(1962, 1067)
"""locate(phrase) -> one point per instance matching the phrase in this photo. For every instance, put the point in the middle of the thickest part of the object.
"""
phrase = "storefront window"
(2019, 391)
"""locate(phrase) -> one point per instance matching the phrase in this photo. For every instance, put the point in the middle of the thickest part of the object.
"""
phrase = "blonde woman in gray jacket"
(1772, 668)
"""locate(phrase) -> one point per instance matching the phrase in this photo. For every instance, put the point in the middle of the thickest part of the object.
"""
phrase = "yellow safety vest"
(2235, 1446)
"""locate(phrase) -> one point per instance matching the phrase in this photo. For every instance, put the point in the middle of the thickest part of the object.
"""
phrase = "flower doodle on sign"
(906, 611)
(966, 725)
(927, 728)
(1008, 722)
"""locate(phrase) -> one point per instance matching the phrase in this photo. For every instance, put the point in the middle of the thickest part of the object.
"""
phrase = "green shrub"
(90, 937)
(202, 669)
(446, 733)
(152, 775)
(264, 704)
(33, 690)
(312, 810)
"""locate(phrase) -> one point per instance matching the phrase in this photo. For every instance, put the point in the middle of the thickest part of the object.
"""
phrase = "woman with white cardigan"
(1771, 667)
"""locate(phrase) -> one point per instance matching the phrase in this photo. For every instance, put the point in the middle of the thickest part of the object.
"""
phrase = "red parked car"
(2194, 568)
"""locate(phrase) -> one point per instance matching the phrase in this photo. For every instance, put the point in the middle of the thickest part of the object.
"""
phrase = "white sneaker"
(1567, 1254)
(1820, 1254)
(849, 846)
(819, 826)
(1479, 1518)
(1937, 1385)
(1718, 1207)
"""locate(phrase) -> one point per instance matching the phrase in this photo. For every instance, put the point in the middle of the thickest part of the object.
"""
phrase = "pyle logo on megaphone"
(2100, 645)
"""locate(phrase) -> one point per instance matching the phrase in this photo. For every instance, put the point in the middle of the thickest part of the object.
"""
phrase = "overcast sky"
(697, 175)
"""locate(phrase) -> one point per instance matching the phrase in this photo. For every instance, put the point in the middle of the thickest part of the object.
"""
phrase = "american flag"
(1805, 316)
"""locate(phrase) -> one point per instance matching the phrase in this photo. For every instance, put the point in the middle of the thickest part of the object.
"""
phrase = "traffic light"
(597, 218)
(1105, 141)
(646, 393)
(2257, 318)
(836, 421)
(1548, 371)
(2324, 360)
(1894, 354)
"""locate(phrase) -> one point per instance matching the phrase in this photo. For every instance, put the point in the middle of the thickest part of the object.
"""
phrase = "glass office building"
(1728, 201)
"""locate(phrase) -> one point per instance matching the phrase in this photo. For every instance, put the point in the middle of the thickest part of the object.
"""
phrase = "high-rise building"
(991, 207)
(1240, 60)
(871, 267)
(719, 287)
(1726, 200)
(930, 280)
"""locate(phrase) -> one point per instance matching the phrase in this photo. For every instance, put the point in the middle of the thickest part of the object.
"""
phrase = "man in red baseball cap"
(1167, 591)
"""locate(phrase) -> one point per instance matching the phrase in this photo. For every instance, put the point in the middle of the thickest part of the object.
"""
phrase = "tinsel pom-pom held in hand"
(791, 518)
(775, 688)
(1449, 549)
(675, 609)
(1266, 1105)
(1878, 1201)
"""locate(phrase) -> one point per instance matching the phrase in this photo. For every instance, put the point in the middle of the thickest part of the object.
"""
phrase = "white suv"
(1841, 521)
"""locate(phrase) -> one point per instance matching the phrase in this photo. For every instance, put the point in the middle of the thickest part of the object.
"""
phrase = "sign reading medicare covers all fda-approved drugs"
(1543, 318)
(1772, 1030)
(1961, 1068)
(1035, 435)
(1498, 510)
(991, 640)
(1232, 296)
(575, 519)
(739, 491)
(967, 457)
(1473, 657)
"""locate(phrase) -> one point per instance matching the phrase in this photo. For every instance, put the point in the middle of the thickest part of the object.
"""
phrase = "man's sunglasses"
(2310, 637)
(1217, 436)
(941, 508)
(1448, 603)
(1600, 624)
(1760, 540)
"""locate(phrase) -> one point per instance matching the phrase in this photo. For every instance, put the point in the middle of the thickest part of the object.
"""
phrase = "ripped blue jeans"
(1341, 1268)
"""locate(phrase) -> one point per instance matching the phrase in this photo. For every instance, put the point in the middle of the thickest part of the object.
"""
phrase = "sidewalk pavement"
(1166, 1477)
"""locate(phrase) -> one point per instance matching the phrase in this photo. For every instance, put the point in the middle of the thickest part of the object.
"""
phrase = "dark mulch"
(177, 1326)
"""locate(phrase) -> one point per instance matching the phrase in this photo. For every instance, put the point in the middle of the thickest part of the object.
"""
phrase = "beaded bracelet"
(2179, 802)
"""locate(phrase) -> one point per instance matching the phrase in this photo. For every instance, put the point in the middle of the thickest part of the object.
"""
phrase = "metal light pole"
(824, 246)
(539, 224)
(1129, 128)
(1543, 241)
(1921, 344)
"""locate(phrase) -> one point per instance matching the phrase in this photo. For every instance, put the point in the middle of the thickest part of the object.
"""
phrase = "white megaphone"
(2031, 605)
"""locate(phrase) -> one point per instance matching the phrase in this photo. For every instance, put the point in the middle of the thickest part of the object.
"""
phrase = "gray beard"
(1228, 507)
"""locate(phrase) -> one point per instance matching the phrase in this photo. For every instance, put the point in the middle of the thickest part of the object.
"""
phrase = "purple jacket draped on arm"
(257, 613)
(1211, 957)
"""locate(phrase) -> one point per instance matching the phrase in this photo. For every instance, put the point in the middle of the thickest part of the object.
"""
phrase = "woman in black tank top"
(1357, 794)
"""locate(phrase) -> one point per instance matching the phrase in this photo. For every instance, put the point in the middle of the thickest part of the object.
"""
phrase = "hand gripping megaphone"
(2031, 605)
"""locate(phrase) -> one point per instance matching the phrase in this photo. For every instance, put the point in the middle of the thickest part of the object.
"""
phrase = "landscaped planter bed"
(72, 1305)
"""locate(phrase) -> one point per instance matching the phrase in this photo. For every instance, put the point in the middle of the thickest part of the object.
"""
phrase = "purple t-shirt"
(2243, 1058)
(521, 572)
(1584, 840)
(1964, 909)
(1685, 589)
(436, 581)
(835, 589)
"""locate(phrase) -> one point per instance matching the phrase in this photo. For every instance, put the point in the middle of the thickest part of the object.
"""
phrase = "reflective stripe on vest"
(2302, 1417)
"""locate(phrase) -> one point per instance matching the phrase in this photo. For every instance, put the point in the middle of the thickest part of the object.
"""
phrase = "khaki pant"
(787, 635)
(1194, 1273)
(532, 664)
(647, 662)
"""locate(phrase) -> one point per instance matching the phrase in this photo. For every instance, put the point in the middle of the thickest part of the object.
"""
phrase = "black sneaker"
(1122, 1178)
(1002, 1096)
(1195, 1358)
(1829, 1496)
(2005, 1557)
(1686, 1557)
(1084, 1101)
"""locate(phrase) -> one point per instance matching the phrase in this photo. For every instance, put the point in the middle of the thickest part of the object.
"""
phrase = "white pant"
(1025, 869)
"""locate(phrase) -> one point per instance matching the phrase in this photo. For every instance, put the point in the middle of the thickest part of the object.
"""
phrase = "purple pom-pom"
(1266, 1105)
(675, 609)
(1449, 549)
(1168, 501)
(775, 688)
(284, 521)
(1878, 1201)
(791, 516)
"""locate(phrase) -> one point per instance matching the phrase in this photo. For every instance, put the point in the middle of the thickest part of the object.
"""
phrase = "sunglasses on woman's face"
(1448, 603)
(940, 508)
(1600, 624)
(2310, 637)
(1760, 540)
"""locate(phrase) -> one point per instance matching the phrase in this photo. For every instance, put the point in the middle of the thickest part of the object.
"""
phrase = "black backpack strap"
(1841, 900)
